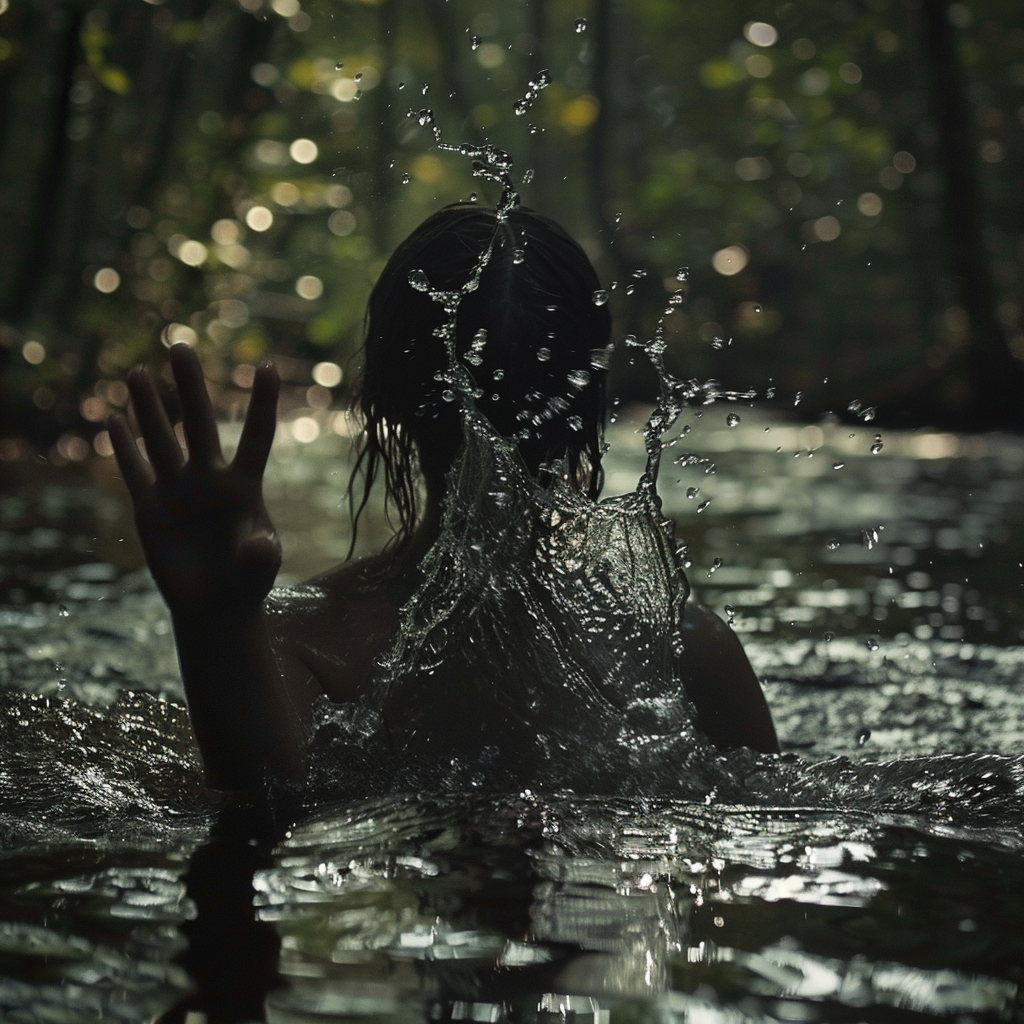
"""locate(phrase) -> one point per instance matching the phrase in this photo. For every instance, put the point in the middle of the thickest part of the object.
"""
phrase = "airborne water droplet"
(731, 420)
(832, 544)
(62, 611)
(872, 643)
(877, 446)
(692, 492)
(799, 395)
(716, 564)
(600, 297)
(829, 636)
(863, 735)
(406, 179)
(419, 281)
(518, 256)
(475, 42)
(338, 66)
(757, 307)
(838, 465)
(543, 354)
(703, 505)
(683, 274)
(580, 24)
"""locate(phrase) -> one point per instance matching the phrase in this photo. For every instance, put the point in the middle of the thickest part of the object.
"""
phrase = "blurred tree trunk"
(600, 132)
(997, 380)
(383, 173)
(54, 76)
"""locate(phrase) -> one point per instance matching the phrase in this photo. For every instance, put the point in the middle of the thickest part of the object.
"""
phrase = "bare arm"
(214, 555)
(731, 709)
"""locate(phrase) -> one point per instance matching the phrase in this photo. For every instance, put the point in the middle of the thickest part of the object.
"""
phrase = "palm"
(202, 522)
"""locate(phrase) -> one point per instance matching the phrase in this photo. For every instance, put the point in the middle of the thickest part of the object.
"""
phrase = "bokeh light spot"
(33, 352)
(760, 33)
(730, 260)
(175, 333)
(869, 203)
(303, 151)
(305, 429)
(192, 253)
(259, 218)
(327, 374)
(309, 287)
(226, 232)
(106, 280)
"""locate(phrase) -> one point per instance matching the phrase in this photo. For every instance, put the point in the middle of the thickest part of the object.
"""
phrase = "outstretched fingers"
(161, 445)
(260, 424)
(134, 468)
(196, 408)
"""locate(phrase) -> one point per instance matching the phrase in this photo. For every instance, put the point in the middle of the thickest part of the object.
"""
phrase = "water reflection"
(537, 908)
(643, 912)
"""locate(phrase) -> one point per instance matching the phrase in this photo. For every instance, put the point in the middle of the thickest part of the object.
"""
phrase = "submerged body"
(331, 634)
(514, 615)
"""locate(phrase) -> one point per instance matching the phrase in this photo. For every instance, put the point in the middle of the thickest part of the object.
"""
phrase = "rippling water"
(880, 603)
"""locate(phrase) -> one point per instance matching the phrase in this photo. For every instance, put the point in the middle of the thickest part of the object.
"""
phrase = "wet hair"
(530, 335)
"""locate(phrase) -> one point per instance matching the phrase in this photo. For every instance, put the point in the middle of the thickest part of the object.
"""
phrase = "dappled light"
(799, 160)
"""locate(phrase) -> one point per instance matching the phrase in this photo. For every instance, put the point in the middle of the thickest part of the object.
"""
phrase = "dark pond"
(879, 598)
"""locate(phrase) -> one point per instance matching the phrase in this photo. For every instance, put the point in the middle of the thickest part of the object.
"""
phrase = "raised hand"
(204, 528)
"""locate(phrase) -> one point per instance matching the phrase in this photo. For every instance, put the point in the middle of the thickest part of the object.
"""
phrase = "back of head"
(529, 335)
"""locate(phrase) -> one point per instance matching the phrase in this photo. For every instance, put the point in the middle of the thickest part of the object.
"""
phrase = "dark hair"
(530, 335)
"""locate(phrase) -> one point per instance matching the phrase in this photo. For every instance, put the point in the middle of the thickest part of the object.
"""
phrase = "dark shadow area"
(232, 956)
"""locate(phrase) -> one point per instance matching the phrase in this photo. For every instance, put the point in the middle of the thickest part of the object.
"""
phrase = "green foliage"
(235, 173)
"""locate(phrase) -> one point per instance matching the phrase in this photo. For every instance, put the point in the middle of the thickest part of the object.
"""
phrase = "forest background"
(827, 198)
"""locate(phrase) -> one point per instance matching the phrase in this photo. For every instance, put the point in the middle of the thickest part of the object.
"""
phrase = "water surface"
(880, 603)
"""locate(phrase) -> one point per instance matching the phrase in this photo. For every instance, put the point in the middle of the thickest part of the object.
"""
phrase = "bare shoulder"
(719, 680)
(335, 626)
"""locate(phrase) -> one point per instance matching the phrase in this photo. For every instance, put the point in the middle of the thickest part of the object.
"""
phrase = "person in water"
(253, 672)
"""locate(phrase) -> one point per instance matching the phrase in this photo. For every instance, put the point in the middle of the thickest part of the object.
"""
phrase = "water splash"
(533, 90)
